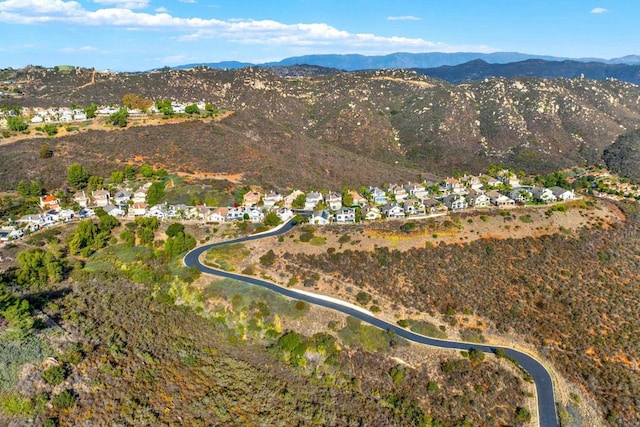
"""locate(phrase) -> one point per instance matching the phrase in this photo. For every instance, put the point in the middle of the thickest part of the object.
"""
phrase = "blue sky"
(143, 34)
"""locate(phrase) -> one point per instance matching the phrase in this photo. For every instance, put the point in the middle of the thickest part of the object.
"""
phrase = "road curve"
(541, 377)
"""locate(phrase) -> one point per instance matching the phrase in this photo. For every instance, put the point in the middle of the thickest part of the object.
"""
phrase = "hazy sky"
(145, 34)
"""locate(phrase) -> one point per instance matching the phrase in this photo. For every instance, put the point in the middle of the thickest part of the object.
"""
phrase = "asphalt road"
(540, 375)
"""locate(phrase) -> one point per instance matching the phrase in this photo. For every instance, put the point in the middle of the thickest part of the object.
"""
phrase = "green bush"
(14, 404)
(403, 323)
(54, 375)
(64, 399)
(523, 414)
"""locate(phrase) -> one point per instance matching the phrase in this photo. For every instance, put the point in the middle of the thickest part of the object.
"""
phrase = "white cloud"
(256, 32)
(161, 10)
(598, 10)
(124, 4)
(187, 1)
(78, 49)
(403, 18)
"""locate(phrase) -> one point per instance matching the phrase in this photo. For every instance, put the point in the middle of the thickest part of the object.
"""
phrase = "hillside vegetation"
(572, 294)
(331, 124)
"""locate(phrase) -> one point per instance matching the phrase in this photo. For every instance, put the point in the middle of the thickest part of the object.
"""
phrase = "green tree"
(129, 172)
(271, 219)
(299, 201)
(17, 123)
(119, 118)
(50, 129)
(90, 111)
(64, 399)
(155, 193)
(117, 177)
(54, 375)
(96, 182)
(347, 198)
(23, 188)
(146, 171)
(165, 107)
(77, 175)
(128, 238)
(192, 109)
(37, 268)
(180, 243)
(174, 229)
(35, 188)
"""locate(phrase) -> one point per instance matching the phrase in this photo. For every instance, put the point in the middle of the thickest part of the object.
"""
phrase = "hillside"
(623, 156)
(570, 292)
(479, 69)
(330, 124)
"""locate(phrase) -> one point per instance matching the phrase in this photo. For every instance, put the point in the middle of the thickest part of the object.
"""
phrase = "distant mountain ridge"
(355, 62)
(480, 69)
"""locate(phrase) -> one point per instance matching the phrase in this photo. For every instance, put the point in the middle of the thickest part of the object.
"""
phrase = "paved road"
(540, 375)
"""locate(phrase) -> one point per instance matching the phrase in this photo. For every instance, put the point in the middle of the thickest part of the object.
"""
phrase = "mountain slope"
(479, 69)
(343, 127)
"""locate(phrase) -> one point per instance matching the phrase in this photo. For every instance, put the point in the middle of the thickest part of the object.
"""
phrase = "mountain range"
(353, 62)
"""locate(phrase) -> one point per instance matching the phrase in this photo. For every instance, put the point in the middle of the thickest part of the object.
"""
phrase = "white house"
(218, 215)
(334, 200)
(478, 199)
(378, 196)
(114, 210)
(455, 202)
(521, 194)
(312, 200)
(101, 198)
(271, 199)
(500, 200)
(543, 194)
(123, 197)
(346, 216)
(372, 213)
(322, 217)
(393, 211)
(562, 193)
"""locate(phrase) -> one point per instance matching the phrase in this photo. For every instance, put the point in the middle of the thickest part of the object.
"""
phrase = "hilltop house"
(251, 199)
(399, 193)
(313, 198)
(414, 207)
(455, 202)
(562, 193)
(122, 197)
(138, 209)
(346, 216)
(378, 196)
(322, 217)
(218, 215)
(393, 211)
(521, 194)
(271, 199)
(334, 200)
(478, 199)
(543, 194)
(288, 200)
(500, 200)
(416, 190)
(372, 213)
(358, 199)
(49, 202)
(101, 198)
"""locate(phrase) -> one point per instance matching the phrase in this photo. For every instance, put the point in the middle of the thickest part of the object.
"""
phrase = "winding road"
(541, 377)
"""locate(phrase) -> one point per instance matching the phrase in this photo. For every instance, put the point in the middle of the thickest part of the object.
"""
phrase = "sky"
(138, 35)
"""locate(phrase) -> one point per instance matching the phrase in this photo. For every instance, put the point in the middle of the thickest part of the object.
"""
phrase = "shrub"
(54, 375)
(64, 399)
(523, 414)
(45, 152)
(363, 298)
(16, 405)
(268, 259)
(403, 322)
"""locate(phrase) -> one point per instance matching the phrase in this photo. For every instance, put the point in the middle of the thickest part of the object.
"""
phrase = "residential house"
(86, 213)
(393, 211)
(271, 199)
(288, 200)
(500, 200)
(66, 215)
(455, 202)
(313, 199)
(358, 199)
(489, 182)
(399, 193)
(322, 217)
(251, 199)
(218, 215)
(434, 206)
(157, 211)
(140, 195)
(372, 213)
(138, 209)
(521, 194)
(453, 185)
(414, 207)
(509, 178)
(333, 200)
(199, 212)
(478, 199)
(346, 216)
(543, 194)
(472, 182)
(255, 215)
(80, 197)
(236, 213)
(284, 214)
(101, 198)
(114, 210)
(122, 197)
(378, 196)
(562, 193)
(416, 190)
(49, 202)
